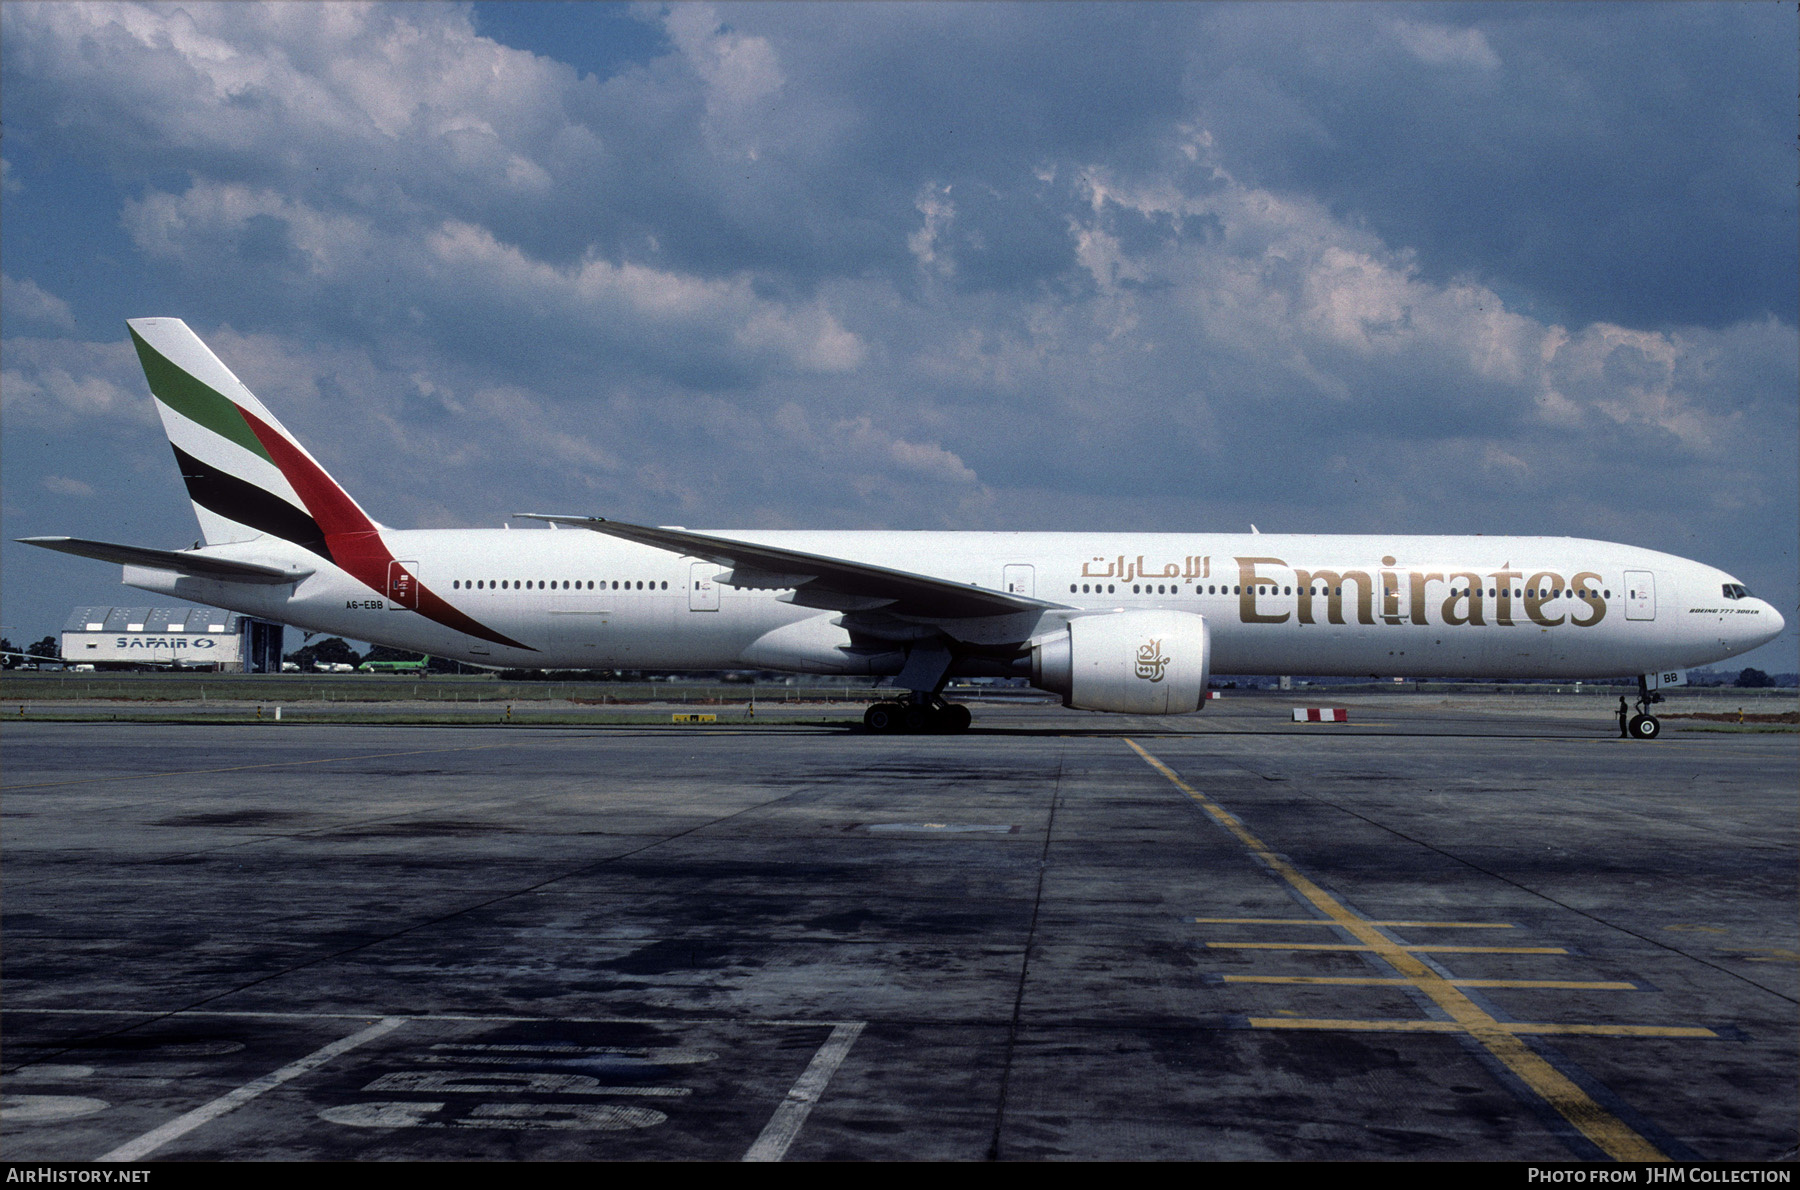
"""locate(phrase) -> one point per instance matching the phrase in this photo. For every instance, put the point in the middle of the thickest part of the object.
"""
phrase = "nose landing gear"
(1644, 725)
(917, 715)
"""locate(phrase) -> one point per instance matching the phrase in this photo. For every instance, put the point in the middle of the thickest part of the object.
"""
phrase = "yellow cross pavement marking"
(1415, 1026)
(1388, 947)
(1612, 1135)
(1319, 921)
(1378, 981)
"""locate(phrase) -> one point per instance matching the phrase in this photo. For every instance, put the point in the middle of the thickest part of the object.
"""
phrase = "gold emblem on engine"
(1150, 661)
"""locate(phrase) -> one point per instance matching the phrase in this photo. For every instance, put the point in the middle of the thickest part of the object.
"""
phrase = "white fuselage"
(1275, 603)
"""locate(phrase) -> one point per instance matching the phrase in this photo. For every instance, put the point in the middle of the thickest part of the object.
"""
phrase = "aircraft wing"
(180, 561)
(836, 584)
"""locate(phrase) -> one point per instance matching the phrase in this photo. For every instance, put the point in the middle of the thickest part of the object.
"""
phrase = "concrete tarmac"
(1466, 931)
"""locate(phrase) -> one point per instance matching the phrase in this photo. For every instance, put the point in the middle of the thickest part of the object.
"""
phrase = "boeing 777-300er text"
(1128, 622)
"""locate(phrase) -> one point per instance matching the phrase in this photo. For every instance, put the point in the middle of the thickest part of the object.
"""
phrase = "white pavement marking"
(44, 1109)
(784, 1125)
(143, 1146)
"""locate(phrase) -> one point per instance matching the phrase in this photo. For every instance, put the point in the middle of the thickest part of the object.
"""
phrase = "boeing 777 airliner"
(1129, 622)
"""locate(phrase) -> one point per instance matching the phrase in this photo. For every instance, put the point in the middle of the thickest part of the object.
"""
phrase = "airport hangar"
(183, 637)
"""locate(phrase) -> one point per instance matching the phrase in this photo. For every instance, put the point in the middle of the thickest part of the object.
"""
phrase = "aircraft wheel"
(957, 717)
(915, 719)
(1644, 727)
(882, 717)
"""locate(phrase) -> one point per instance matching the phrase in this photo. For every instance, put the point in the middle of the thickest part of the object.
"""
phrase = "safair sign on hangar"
(181, 636)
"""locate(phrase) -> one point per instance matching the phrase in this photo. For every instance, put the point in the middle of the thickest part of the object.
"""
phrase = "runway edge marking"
(1612, 1135)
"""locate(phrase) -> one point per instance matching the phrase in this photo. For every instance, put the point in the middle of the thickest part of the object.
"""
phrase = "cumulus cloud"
(1439, 45)
(738, 71)
(63, 384)
(933, 202)
(24, 300)
(1283, 280)
(64, 486)
(461, 273)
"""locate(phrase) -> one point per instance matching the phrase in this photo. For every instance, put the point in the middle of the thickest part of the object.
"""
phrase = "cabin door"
(403, 587)
(703, 587)
(1640, 595)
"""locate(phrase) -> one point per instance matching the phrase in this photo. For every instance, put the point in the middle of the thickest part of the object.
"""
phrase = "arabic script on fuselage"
(1270, 591)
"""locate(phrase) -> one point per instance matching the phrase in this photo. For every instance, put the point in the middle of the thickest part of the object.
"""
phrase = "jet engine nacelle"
(1140, 663)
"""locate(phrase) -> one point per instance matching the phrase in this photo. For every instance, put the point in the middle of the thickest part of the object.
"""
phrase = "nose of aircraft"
(1769, 624)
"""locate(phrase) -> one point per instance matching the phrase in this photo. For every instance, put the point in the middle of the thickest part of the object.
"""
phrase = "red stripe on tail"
(351, 537)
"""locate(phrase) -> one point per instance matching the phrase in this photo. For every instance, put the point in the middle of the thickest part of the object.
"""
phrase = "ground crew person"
(1623, 734)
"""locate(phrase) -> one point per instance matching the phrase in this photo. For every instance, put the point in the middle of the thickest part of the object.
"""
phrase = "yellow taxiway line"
(1377, 981)
(1500, 1039)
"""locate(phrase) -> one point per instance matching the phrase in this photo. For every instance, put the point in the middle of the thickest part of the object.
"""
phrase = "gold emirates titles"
(1404, 596)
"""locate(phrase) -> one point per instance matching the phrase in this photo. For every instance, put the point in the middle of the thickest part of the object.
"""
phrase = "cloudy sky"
(1325, 267)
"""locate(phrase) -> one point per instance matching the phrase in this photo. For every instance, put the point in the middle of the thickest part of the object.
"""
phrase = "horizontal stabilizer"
(180, 561)
(821, 581)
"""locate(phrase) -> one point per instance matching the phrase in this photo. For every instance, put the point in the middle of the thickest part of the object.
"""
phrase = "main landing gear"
(1644, 725)
(916, 715)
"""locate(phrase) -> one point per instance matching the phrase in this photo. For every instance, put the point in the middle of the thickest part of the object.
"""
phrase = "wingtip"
(553, 516)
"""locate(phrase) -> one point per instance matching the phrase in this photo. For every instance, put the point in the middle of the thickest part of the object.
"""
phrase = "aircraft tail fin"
(246, 475)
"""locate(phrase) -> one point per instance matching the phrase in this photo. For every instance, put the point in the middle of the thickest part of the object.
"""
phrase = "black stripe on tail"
(247, 504)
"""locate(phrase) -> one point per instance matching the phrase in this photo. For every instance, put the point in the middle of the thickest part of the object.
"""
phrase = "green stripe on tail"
(194, 400)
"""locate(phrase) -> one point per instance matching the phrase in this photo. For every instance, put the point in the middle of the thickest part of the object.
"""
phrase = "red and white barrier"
(1321, 715)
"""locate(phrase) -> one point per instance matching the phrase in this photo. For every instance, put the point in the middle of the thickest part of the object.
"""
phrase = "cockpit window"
(1736, 591)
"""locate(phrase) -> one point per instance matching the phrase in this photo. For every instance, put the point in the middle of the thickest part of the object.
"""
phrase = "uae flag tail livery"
(246, 475)
(249, 479)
